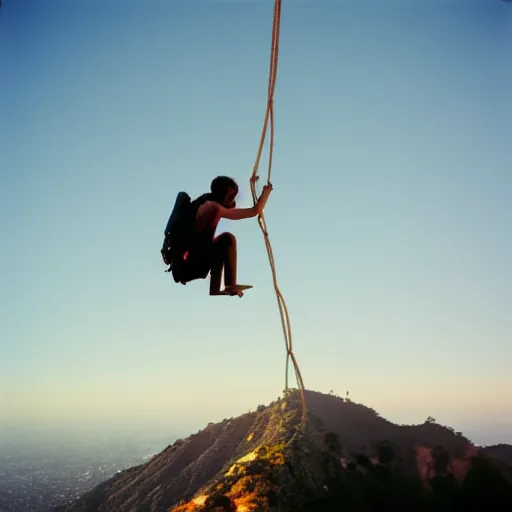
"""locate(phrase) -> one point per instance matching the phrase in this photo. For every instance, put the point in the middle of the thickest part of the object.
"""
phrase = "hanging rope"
(269, 116)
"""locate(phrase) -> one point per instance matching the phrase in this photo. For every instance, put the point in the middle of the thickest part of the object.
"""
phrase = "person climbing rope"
(191, 248)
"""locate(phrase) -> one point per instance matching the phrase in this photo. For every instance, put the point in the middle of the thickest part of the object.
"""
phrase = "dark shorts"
(197, 265)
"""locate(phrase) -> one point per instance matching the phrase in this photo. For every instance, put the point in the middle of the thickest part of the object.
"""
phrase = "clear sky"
(391, 217)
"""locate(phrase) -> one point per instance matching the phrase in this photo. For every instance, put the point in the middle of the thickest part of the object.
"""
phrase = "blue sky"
(391, 218)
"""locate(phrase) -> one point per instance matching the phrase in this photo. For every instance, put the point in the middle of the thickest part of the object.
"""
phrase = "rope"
(269, 116)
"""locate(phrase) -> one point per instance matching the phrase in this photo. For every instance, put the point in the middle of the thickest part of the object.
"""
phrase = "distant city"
(39, 472)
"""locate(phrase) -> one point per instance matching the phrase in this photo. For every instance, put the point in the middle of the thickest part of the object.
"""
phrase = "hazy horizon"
(167, 428)
(390, 219)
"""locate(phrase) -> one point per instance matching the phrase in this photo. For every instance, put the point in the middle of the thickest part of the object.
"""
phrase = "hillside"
(502, 452)
(346, 455)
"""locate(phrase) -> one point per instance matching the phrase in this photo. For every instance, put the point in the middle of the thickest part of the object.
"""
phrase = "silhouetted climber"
(191, 248)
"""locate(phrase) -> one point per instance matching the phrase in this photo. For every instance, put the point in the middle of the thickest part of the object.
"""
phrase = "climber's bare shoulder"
(208, 213)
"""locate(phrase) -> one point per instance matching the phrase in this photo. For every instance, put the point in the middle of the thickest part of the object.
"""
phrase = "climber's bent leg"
(224, 258)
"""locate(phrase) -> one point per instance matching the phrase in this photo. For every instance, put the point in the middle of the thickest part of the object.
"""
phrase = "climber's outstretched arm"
(235, 213)
(245, 213)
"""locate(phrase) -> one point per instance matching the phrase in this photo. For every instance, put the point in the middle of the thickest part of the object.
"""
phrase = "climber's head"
(224, 190)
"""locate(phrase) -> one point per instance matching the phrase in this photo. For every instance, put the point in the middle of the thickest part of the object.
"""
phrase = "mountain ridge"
(269, 459)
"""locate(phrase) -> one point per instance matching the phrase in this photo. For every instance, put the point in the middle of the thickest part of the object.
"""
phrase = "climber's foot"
(236, 289)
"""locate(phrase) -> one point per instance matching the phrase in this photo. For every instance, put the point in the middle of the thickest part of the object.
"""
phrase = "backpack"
(179, 234)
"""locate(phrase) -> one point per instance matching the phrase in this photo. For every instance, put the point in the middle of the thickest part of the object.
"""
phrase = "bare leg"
(224, 258)
(231, 260)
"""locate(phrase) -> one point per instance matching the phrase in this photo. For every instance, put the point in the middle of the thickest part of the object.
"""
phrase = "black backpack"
(179, 233)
